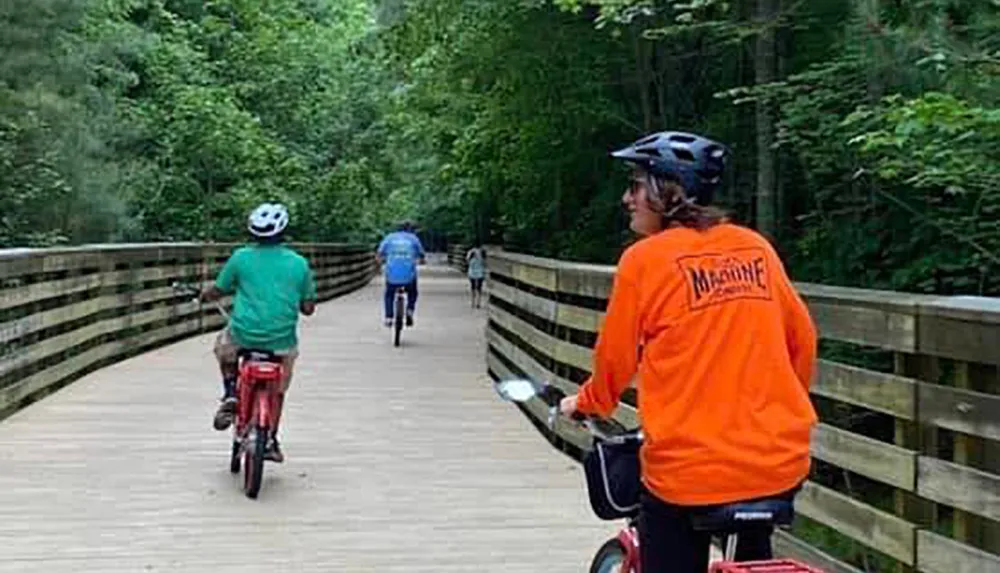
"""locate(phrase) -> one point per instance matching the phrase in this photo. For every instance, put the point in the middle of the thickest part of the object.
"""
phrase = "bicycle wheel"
(610, 558)
(234, 458)
(400, 309)
(253, 462)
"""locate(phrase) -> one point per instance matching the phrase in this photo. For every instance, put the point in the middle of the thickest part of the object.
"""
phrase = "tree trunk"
(781, 202)
(642, 78)
(744, 174)
(871, 12)
(764, 72)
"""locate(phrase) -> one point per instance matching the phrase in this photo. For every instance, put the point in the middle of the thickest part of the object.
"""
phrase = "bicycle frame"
(257, 395)
(628, 536)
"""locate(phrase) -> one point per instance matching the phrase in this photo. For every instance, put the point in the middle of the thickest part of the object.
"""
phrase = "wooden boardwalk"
(397, 459)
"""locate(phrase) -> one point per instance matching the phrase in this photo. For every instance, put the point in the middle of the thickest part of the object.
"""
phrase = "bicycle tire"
(609, 558)
(234, 458)
(400, 309)
(253, 461)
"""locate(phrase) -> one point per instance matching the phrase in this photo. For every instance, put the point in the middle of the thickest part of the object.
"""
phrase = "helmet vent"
(684, 154)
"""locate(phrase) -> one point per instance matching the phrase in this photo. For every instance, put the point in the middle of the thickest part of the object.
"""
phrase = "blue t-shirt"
(400, 251)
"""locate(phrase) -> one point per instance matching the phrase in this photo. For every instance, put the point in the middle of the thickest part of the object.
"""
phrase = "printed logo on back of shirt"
(400, 249)
(722, 277)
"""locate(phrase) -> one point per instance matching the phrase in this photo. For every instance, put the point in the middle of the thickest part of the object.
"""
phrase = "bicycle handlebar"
(621, 434)
(553, 396)
(196, 296)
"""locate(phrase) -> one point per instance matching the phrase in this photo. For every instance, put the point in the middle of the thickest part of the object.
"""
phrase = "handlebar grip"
(552, 395)
(187, 290)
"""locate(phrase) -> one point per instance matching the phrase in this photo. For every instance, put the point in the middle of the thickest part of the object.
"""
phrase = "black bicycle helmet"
(695, 162)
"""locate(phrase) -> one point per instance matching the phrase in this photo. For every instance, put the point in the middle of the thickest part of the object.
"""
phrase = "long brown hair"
(676, 209)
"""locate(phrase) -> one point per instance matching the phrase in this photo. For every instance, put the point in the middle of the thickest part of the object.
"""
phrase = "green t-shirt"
(270, 281)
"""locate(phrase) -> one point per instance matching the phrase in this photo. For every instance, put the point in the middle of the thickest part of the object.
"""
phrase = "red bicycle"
(257, 388)
(258, 384)
(620, 554)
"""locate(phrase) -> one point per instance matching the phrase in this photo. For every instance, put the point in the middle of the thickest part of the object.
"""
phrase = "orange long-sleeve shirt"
(727, 356)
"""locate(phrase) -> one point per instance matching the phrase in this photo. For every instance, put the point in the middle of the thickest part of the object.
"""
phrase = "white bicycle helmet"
(268, 220)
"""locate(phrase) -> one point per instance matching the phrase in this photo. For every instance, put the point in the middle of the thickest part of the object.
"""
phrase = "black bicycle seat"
(258, 355)
(762, 513)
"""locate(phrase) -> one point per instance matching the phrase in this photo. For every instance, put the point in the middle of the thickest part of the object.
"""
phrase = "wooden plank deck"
(396, 460)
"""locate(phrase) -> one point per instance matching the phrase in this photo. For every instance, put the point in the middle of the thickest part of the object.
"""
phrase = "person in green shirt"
(272, 285)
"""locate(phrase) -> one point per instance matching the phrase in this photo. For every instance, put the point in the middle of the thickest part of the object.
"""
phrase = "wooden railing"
(66, 312)
(906, 457)
(456, 256)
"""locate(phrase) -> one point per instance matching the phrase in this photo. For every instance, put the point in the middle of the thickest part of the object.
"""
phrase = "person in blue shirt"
(399, 253)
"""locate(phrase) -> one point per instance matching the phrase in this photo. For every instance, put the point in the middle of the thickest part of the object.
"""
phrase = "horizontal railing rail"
(66, 312)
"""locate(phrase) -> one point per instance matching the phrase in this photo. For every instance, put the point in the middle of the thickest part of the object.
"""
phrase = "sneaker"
(409, 320)
(273, 451)
(224, 415)
(388, 322)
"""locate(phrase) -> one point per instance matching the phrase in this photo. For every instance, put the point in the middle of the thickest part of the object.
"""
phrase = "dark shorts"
(476, 284)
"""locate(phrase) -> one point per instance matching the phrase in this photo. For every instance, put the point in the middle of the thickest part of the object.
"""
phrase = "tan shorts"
(226, 349)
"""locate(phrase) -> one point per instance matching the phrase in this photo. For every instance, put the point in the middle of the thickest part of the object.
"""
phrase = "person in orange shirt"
(724, 349)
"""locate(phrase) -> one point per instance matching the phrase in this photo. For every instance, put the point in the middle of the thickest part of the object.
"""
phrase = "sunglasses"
(635, 185)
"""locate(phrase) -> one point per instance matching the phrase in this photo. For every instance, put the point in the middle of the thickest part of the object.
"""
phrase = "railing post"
(914, 435)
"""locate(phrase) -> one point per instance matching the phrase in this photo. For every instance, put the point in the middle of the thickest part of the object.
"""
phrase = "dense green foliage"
(865, 132)
(168, 119)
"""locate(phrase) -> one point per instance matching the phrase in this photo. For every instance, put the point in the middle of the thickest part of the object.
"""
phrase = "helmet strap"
(654, 184)
(682, 203)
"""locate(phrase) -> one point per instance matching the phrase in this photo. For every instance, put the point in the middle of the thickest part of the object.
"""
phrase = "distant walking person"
(476, 258)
